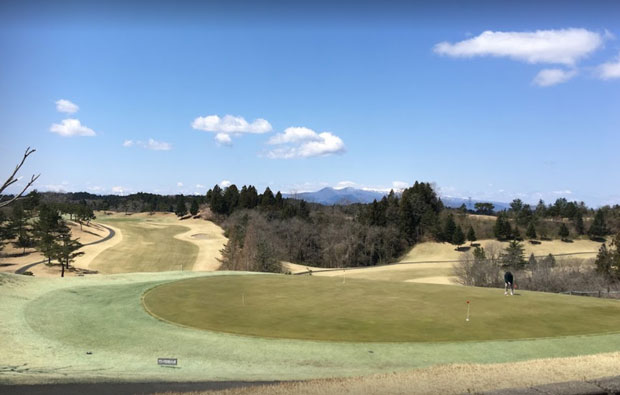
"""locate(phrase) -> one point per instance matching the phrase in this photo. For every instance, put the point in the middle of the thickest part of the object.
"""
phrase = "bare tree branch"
(11, 180)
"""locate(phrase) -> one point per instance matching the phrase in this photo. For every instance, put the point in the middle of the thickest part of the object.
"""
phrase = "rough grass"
(48, 325)
(433, 251)
(145, 247)
(319, 308)
(449, 379)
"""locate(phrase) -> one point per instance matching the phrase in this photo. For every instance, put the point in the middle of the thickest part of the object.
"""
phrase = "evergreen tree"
(502, 228)
(194, 208)
(513, 255)
(66, 249)
(20, 228)
(471, 234)
(5, 230)
(217, 202)
(458, 237)
(265, 259)
(598, 227)
(180, 207)
(449, 227)
(267, 199)
(608, 260)
(530, 232)
(563, 232)
(231, 198)
(579, 226)
(47, 231)
(84, 213)
(516, 233)
(279, 200)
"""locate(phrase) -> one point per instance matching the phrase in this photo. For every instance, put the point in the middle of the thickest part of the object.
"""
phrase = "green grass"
(47, 326)
(145, 248)
(323, 308)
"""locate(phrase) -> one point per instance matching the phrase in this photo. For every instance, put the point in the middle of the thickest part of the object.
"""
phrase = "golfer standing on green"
(509, 281)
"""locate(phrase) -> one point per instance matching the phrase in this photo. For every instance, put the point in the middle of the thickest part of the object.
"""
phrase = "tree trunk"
(62, 273)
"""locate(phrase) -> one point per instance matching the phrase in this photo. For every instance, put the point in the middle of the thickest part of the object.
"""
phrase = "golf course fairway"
(328, 308)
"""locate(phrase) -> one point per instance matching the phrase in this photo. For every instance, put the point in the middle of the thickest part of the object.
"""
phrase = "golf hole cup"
(467, 318)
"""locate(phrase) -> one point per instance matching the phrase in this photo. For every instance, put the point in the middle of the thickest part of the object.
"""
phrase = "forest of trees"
(264, 228)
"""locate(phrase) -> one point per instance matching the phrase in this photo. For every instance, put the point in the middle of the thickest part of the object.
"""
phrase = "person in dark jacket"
(509, 282)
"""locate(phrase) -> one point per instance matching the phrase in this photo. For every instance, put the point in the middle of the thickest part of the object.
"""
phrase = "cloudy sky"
(489, 100)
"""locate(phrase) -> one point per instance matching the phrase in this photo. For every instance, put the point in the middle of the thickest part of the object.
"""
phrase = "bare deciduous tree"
(11, 180)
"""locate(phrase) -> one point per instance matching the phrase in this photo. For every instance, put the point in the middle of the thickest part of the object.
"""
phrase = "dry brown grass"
(450, 379)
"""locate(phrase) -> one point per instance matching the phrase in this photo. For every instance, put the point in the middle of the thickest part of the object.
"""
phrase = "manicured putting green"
(325, 308)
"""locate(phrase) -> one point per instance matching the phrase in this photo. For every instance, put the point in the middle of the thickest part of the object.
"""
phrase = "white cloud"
(564, 46)
(66, 106)
(157, 145)
(230, 125)
(293, 135)
(223, 139)
(304, 143)
(71, 127)
(609, 70)
(548, 77)
(400, 184)
(96, 188)
(225, 184)
(118, 189)
(564, 192)
(151, 144)
(179, 184)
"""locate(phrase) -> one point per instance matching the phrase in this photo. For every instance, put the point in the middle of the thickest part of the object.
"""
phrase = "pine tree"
(193, 210)
(66, 249)
(279, 200)
(458, 237)
(502, 228)
(579, 227)
(598, 227)
(217, 202)
(5, 230)
(513, 255)
(471, 234)
(20, 228)
(180, 208)
(267, 199)
(449, 227)
(530, 232)
(46, 231)
(563, 232)
(231, 198)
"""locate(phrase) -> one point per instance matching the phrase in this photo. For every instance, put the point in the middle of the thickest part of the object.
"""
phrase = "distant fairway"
(146, 247)
(314, 308)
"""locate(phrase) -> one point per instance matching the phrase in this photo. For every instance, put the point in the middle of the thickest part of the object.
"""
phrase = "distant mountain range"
(329, 196)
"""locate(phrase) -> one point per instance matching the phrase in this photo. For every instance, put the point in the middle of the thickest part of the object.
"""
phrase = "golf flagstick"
(467, 319)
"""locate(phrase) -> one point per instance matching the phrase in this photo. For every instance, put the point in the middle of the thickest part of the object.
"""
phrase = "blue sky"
(175, 97)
